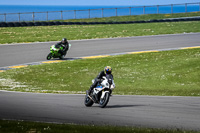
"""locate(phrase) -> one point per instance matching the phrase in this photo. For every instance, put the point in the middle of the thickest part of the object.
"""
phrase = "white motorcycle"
(100, 94)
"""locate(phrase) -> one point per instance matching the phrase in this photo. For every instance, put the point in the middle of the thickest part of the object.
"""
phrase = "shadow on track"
(122, 106)
(65, 59)
(71, 58)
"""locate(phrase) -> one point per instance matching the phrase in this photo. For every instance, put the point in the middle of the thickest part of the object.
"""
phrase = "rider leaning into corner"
(107, 73)
(64, 43)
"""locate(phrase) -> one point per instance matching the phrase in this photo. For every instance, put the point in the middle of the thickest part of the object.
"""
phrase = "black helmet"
(64, 40)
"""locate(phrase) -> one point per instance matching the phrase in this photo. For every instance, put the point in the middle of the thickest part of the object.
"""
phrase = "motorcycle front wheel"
(88, 102)
(104, 101)
(49, 56)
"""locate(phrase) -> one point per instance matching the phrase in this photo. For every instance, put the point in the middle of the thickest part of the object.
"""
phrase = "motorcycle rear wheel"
(61, 57)
(49, 56)
(104, 101)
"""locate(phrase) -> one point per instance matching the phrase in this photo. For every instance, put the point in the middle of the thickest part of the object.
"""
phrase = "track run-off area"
(139, 111)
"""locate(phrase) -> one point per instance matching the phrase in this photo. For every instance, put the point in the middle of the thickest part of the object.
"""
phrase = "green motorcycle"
(54, 52)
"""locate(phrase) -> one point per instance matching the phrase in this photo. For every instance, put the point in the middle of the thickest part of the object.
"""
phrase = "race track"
(141, 111)
(138, 111)
(16, 54)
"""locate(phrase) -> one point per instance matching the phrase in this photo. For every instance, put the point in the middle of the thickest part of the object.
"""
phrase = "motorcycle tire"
(104, 101)
(88, 102)
(49, 56)
(61, 57)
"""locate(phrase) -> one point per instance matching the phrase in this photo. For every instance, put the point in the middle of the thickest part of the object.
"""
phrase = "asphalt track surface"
(16, 54)
(140, 111)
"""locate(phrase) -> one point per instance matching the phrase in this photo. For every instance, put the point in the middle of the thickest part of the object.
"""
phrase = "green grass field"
(167, 73)
(76, 32)
(36, 127)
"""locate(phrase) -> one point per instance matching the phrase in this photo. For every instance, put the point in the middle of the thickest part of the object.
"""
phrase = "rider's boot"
(64, 52)
(92, 87)
(90, 90)
(110, 92)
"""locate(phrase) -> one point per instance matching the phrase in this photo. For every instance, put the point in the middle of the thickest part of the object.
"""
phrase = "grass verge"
(36, 127)
(76, 32)
(167, 73)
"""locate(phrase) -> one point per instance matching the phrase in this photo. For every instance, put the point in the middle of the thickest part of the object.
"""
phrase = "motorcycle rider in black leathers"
(107, 73)
(64, 43)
